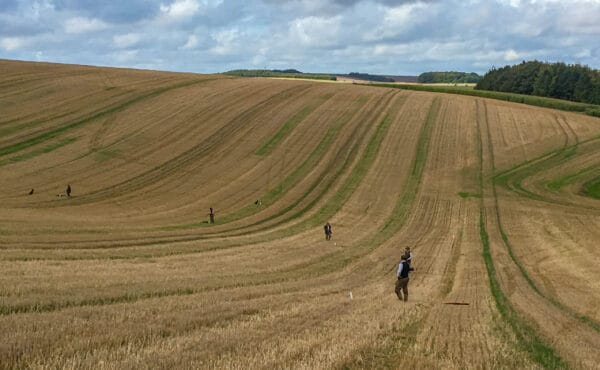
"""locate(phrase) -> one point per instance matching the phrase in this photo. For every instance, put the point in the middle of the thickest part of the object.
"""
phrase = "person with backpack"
(402, 281)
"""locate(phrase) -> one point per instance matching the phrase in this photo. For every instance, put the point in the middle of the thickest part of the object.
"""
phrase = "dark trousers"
(402, 288)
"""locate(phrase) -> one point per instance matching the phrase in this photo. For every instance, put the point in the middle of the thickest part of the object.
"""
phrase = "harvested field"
(493, 198)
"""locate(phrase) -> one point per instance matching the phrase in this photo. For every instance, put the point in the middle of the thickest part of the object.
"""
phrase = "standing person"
(328, 233)
(408, 254)
(402, 282)
(68, 190)
(211, 216)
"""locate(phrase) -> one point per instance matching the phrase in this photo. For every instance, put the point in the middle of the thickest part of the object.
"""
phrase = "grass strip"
(557, 184)
(292, 179)
(254, 279)
(289, 125)
(589, 109)
(50, 134)
(512, 178)
(527, 340)
(35, 153)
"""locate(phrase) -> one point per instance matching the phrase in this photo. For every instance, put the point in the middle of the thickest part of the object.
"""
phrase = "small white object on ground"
(350, 295)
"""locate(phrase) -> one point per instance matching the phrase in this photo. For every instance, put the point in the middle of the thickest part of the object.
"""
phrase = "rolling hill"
(127, 272)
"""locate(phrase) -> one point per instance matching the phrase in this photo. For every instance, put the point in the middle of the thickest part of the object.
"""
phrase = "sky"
(390, 37)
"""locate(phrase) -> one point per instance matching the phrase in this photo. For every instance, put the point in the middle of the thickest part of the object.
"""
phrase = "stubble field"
(128, 273)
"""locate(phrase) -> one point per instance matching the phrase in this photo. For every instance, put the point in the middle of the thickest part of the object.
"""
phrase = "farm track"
(127, 273)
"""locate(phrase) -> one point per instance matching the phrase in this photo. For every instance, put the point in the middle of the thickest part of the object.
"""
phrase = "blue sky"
(403, 37)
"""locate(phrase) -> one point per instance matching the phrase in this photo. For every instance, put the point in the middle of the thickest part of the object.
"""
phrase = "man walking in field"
(68, 190)
(211, 216)
(328, 233)
(402, 281)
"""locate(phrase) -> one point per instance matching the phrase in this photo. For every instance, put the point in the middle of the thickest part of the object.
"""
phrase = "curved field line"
(288, 126)
(287, 184)
(80, 122)
(292, 179)
(295, 176)
(323, 266)
(52, 133)
(34, 153)
(511, 178)
(527, 338)
(169, 167)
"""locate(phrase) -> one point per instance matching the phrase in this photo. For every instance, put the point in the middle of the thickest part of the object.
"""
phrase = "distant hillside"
(405, 79)
(378, 78)
(555, 80)
(448, 77)
(288, 73)
(367, 77)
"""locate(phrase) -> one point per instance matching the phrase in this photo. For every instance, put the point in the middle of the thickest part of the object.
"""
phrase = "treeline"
(448, 77)
(288, 73)
(540, 101)
(555, 80)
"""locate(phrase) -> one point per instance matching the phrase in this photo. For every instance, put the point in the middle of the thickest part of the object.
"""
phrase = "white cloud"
(11, 43)
(391, 36)
(83, 24)
(398, 21)
(191, 43)
(180, 9)
(227, 41)
(127, 40)
(316, 31)
(511, 55)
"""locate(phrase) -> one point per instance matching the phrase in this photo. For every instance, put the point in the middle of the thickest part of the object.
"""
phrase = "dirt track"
(128, 272)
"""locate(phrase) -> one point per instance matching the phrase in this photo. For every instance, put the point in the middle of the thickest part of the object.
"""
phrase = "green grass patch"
(592, 188)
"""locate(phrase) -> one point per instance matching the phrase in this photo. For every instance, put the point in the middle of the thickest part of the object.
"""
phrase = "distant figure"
(31, 192)
(402, 282)
(211, 216)
(408, 255)
(328, 232)
(68, 190)
(258, 202)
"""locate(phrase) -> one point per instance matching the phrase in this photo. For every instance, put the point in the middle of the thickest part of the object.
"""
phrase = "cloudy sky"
(403, 37)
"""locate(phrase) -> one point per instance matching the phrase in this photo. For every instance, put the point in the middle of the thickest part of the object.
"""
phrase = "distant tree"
(448, 77)
(556, 80)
